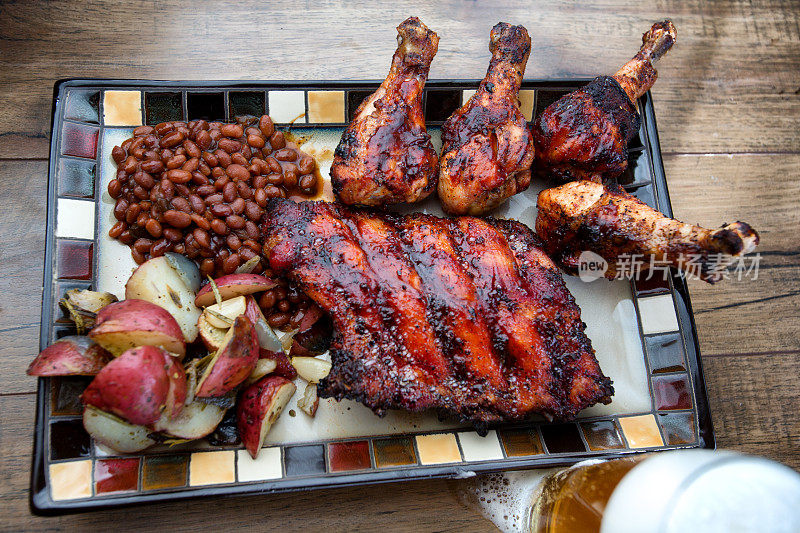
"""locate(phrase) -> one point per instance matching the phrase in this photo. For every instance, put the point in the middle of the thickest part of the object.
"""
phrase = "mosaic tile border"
(77, 474)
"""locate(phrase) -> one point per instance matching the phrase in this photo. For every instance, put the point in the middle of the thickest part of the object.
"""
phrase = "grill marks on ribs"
(466, 316)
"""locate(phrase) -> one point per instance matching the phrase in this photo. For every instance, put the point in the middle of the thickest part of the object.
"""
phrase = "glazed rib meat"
(385, 155)
(465, 316)
(585, 134)
(585, 216)
(487, 146)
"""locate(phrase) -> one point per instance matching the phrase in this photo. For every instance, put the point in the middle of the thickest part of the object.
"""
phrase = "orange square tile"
(122, 108)
(326, 106)
(211, 468)
(641, 431)
(438, 448)
(72, 480)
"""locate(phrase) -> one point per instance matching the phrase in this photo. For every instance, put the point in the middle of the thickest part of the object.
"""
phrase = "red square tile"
(345, 456)
(79, 140)
(671, 392)
(116, 475)
(74, 259)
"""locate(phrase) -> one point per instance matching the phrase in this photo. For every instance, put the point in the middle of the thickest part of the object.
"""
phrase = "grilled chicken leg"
(586, 216)
(585, 134)
(385, 155)
(487, 147)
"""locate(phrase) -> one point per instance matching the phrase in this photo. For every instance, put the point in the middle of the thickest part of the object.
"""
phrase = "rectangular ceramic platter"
(643, 337)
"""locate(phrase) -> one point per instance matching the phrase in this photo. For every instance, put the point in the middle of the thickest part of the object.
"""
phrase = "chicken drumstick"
(585, 134)
(385, 155)
(487, 147)
(585, 216)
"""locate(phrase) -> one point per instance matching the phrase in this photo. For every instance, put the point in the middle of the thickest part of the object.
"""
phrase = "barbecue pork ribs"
(466, 316)
(385, 155)
(585, 134)
(487, 146)
(583, 215)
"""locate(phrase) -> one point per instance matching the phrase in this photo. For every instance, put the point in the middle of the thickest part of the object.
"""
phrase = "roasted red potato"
(70, 356)
(169, 283)
(259, 407)
(131, 323)
(232, 363)
(114, 432)
(233, 285)
(195, 421)
(139, 386)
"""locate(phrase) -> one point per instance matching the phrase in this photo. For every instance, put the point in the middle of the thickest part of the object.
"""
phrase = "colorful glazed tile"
(163, 107)
(679, 428)
(116, 475)
(304, 460)
(326, 107)
(438, 448)
(79, 140)
(562, 438)
(65, 395)
(246, 104)
(83, 105)
(441, 103)
(657, 314)
(71, 480)
(394, 452)
(655, 285)
(641, 431)
(76, 177)
(212, 468)
(521, 442)
(350, 455)
(205, 106)
(122, 108)
(74, 259)
(75, 218)
(671, 393)
(164, 471)
(601, 435)
(527, 97)
(354, 99)
(477, 448)
(638, 171)
(69, 440)
(665, 353)
(466, 94)
(264, 467)
(287, 107)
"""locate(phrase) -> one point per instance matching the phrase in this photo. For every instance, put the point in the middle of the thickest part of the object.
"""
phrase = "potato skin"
(138, 315)
(235, 361)
(253, 407)
(134, 386)
(74, 355)
(233, 285)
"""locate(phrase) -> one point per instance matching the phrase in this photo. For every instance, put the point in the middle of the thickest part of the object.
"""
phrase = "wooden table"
(728, 105)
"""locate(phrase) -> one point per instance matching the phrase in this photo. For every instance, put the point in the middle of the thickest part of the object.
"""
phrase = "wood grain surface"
(728, 109)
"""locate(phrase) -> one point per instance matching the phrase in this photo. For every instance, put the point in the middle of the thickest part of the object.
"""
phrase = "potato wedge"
(263, 367)
(197, 420)
(136, 386)
(309, 402)
(131, 323)
(233, 285)
(74, 355)
(221, 315)
(159, 282)
(259, 408)
(232, 363)
(114, 432)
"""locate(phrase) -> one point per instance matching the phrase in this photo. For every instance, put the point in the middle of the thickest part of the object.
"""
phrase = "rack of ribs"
(465, 316)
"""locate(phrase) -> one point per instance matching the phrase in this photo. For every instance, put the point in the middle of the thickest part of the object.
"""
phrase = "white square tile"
(75, 218)
(477, 448)
(287, 106)
(266, 466)
(466, 94)
(657, 314)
